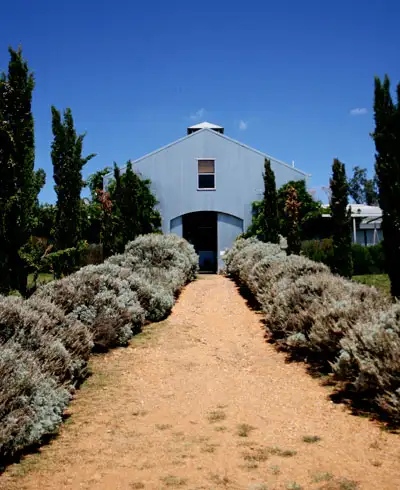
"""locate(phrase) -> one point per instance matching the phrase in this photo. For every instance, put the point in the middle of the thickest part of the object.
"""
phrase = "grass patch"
(216, 416)
(137, 485)
(321, 476)
(311, 439)
(209, 448)
(380, 281)
(250, 465)
(218, 480)
(243, 430)
(341, 484)
(259, 454)
(220, 428)
(139, 413)
(274, 469)
(285, 453)
(25, 465)
(43, 278)
(163, 426)
(294, 486)
(173, 481)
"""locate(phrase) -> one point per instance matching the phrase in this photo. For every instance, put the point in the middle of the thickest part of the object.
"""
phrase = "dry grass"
(243, 430)
(259, 454)
(341, 484)
(321, 476)
(294, 486)
(218, 480)
(285, 453)
(209, 448)
(220, 428)
(173, 481)
(163, 426)
(216, 416)
(311, 439)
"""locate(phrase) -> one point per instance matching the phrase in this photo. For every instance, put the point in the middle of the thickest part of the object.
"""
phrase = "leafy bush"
(45, 341)
(366, 260)
(318, 250)
(65, 261)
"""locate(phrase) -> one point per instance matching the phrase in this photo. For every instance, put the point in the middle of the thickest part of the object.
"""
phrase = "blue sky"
(293, 79)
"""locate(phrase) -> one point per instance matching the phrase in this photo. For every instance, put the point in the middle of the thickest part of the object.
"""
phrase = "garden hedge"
(346, 328)
(46, 341)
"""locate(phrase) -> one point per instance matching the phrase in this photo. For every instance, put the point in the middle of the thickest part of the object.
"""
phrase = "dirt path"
(165, 413)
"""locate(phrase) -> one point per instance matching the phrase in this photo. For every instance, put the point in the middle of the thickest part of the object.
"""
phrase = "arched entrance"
(200, 229)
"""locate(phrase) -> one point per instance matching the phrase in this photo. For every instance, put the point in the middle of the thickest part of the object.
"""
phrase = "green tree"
(292, 209)
(342, 262)
(361, 189)
(134, 205)
(96, 220)
(95, 181)
(68, 162)
(311, 222)
(19, 184)
(387, 168)
(45, 221)
(270, 222)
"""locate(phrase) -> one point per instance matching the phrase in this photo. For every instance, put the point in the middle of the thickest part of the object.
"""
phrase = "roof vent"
(205, 125)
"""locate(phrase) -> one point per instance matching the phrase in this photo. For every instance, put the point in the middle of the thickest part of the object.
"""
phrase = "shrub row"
(345, 327)
(46, 341)
(366, 260)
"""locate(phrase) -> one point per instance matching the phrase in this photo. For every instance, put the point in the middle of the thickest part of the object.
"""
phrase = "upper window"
(206, 173)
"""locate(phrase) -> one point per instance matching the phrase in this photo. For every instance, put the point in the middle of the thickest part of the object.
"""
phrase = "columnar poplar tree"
(342, 261)
(67, 161)
(270, 222)
(19, 184)
(292, 215)
(387, 168)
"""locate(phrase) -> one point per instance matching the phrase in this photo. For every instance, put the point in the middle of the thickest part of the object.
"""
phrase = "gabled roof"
(218, 135)
(205, 125)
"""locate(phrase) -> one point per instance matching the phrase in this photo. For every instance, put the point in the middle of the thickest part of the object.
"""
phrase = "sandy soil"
(201, 401)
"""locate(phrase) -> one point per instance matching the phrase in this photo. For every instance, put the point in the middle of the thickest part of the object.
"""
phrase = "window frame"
(209, 173)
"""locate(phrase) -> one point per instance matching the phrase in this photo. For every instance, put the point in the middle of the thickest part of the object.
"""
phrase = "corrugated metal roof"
(205, 125)
(362, 210)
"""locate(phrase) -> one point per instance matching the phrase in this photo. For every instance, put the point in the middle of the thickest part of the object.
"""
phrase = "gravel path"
(200, 401)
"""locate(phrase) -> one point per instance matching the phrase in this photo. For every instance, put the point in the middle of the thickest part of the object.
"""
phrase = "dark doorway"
(200, 229)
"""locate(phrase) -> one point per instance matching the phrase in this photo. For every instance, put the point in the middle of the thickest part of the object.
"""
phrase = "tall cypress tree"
(19, 184)
(68, 162)
(387, 168)
(270, 225)
(292, 209)
(341, 221)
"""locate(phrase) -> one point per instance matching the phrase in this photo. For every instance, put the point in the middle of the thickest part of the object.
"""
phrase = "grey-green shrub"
(31, 401)
(61, 346)
(163, 251)
(267, 273)
(370, 359)
(314, 312)
(349, 327)
(45, 341)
